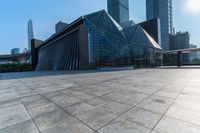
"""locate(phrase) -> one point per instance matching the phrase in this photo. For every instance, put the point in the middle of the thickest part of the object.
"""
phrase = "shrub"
(15, 67)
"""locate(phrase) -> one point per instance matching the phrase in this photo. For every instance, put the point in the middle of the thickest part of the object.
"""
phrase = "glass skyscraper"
(30, 33)
(119, 10)
(162, 9)
(15, 51)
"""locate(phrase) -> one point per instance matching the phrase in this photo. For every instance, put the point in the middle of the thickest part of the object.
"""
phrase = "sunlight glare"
(193, 6)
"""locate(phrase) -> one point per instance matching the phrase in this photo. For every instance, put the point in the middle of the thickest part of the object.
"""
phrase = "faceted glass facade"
(112, 45)
(107, 45)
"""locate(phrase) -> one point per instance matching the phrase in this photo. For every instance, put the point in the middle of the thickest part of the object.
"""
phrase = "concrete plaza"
(132, 101)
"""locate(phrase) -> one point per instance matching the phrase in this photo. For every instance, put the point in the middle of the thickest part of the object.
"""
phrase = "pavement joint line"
(186, 80)
(134, 106)
(51, 101)
(172, 103)
(184, 121)
(118, 78)
(63, 109)
(68, 113)
(30, 115)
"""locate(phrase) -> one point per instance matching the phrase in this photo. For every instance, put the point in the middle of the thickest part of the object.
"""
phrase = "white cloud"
(192, 6)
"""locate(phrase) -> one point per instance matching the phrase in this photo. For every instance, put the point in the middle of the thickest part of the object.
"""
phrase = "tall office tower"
(30, 34)
(15, 51)
(162, 9)
(119, 10)
(60, 26)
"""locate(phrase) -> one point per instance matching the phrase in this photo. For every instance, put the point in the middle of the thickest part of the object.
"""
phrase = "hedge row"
(15, 67)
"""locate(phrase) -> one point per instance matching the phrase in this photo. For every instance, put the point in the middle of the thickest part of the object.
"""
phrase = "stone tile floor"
(132, 101)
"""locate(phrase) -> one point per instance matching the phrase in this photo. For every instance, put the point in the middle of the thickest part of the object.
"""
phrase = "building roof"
(133, 34)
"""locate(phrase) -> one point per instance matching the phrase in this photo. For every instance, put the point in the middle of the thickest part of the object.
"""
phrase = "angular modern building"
(162, 9)
(152, 27)
(119, 10)
(94, 41)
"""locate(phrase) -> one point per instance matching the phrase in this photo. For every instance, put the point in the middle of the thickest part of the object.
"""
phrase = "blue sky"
(15, 14)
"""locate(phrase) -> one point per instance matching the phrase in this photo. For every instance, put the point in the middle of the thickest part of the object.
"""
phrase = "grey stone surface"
(13, 115)
(80, 108)
(142, 117)
(41, 110)
(171, 125)
(97, 118)
(153, 131)
(51, 120)
(24, 127)
(123, 126)
(69, 126)
(116, 108)
(132, 98)
(133, 101)
(9, 103)
(156, 104)
(65, 100)
(184, 114)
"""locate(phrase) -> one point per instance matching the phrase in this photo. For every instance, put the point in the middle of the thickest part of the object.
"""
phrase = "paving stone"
(98, 101)
(123, 126)
(51, 120)
(53, 94)
(41, 110)
(65, 100)
(9, 103)
(184, 114)
(82, 96)
(13, 115)
(98, 90)
(69, 126)
(116, 101)
(156, 104)
(153, 131)
(133, 98)
(187, 105)
(144, 90)
(30, 99)
(116, 108)
(97, 118)
(80, 108)
(171, 125)
(25, 92)
(143, 117)
(34, 101)
(189, 97)
(52, 88)
(167, 94)
(8, 96)
(113, 95)
(24, 127)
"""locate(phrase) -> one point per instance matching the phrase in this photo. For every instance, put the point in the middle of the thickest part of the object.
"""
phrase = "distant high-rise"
(119, 10)
(30, 34)
(162, 9)
(60, 26)
(15, 51)
(181, 40)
